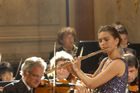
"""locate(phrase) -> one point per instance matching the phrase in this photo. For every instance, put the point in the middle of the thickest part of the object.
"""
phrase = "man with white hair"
(32, 71)
(60, 58)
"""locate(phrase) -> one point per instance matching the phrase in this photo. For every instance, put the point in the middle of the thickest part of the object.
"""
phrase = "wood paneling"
(107, 12)
(29, 27)
(82, 18)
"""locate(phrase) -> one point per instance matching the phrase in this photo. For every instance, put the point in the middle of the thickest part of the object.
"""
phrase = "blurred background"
(29, 27)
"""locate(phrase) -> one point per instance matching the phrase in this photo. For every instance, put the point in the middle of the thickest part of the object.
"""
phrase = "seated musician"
(6, 71)
(124, 36)
(32, 71)
(60, 58)
(66, 37)
(63, 57)
(62, 74)
(133, 65)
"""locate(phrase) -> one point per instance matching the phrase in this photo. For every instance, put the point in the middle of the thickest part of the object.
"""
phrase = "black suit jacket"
(16, 87)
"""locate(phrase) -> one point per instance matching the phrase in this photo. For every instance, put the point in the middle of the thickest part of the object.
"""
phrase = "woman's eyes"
(106, 39)
(100, 40)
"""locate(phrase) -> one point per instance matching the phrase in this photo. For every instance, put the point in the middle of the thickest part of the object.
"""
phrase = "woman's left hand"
(81, 88)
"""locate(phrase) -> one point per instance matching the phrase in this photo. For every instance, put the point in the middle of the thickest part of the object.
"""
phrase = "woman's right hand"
(76, 64)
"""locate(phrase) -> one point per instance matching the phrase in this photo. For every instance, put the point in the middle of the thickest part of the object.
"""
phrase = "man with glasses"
(32, 71)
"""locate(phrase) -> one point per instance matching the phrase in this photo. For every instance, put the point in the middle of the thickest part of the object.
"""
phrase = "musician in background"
(61, 74)
(124, 44)
(6, 71)
(124, 36)
(32, 71)
(133, 66)
(66, 37)
(60, 58)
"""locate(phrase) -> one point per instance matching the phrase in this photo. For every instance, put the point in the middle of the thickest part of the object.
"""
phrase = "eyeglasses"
(37, 76)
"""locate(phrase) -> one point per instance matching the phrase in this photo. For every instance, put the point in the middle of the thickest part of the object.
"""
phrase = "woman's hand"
(76, 64)
(81, 88)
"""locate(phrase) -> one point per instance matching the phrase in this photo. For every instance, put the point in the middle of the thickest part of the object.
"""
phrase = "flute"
(82, 58)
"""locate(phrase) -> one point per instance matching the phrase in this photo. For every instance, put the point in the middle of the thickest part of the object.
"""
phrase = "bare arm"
(70, 69)
(96, 72)
(116, 68)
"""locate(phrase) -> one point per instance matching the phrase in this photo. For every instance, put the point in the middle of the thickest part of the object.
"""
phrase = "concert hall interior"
(29, 28)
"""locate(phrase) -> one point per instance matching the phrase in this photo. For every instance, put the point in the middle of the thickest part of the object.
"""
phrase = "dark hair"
(122, 30)
(132, 60)
(65, 30)
(117, 23)
(5, 67)
(112, 31)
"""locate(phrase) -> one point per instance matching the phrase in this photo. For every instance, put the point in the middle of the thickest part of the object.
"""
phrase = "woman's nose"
(102, 43)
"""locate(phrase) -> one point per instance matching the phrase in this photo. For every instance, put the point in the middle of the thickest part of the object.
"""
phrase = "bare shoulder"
(118, 66)
(118, 62)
